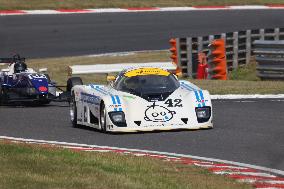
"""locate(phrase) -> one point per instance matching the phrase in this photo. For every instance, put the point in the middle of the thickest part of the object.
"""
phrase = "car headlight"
(203, 114)
(118, 118)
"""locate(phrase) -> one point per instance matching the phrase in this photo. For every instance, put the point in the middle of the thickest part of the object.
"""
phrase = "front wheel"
(103, 118)
(71, 82)
(73, 110)
(3, 95)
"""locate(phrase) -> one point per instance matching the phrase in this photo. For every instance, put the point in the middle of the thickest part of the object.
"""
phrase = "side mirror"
(110, 78)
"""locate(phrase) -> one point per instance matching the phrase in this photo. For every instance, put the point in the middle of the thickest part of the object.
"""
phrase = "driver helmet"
(20, 65)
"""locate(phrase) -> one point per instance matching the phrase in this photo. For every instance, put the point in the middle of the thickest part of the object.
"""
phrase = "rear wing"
(9, 60)
(114, 68)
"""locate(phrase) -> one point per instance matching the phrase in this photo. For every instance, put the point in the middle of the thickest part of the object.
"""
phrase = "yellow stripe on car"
(147, 71)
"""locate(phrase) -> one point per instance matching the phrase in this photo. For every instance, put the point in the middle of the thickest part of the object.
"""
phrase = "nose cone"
(40, 84)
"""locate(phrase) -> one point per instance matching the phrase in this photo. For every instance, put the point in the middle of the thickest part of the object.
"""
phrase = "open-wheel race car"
(18, 83)
(142, 97)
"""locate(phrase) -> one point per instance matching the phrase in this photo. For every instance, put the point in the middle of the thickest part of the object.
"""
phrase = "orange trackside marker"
(173, 42)
(173, 50)
(174, 56)
(217, 60)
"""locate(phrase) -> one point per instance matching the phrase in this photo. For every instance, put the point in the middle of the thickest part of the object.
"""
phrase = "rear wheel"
(103, 118)
(73, 110)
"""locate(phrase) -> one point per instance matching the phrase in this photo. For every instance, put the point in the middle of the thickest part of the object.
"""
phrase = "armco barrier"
(238, 47)
(270, 59)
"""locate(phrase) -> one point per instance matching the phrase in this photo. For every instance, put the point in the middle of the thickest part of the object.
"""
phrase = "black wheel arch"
(73, 81)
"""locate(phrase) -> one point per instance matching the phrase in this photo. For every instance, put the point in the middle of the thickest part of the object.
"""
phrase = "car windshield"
(147, 84)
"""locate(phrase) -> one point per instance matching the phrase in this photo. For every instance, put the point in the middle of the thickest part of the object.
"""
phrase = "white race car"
(142, 98)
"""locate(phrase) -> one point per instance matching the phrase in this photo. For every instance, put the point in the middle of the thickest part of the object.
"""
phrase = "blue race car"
(18, 83)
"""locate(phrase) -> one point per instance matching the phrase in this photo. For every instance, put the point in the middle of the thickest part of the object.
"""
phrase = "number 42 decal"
(174, 102)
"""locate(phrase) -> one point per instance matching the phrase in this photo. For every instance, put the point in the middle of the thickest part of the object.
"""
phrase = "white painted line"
(248, 7)
(97, 150)
(243, 173)
(178, 9)
(242, 96)
(262, 181)
(107, 10)
(135, 10)
(229, 166)
(267, 188)
(139, 154)
(41, 12)
(275, 171)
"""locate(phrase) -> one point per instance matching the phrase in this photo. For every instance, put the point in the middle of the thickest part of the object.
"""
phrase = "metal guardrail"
(270, 58)
(238, 47)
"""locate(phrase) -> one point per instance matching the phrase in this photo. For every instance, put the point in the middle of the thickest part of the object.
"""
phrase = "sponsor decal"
(157, 113)
(201, 102)
(147, 71)
(36, 76)
(115, 106)
(42, 89)
(162, 125)
(91, 99)
(116, 103)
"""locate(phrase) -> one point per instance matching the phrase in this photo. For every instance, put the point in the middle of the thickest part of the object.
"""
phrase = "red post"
(202, 66)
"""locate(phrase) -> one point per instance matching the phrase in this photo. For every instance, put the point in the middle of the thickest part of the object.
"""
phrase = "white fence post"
(248, 46)
(235, 49)
(276, 34)
(189, 56)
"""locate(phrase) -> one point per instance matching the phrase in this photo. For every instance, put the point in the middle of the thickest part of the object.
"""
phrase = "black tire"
(71, 82)
(44, 102)
(73, 107)
(103, 118)
(3, 95)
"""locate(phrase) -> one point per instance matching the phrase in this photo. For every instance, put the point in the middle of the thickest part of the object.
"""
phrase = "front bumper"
(113, 128)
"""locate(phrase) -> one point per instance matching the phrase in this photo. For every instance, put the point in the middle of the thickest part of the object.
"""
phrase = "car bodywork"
(185, 106)
(26, 85)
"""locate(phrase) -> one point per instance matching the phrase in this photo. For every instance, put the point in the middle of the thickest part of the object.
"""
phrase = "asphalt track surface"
(83, 34)
(248, 132)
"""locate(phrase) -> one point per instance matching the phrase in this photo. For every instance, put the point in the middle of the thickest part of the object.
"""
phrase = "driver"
(20, 65)
(132, 83)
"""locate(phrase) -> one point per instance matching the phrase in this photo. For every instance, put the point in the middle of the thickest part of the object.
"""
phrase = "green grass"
(245, 72)
(77, 4)
(33, 167)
